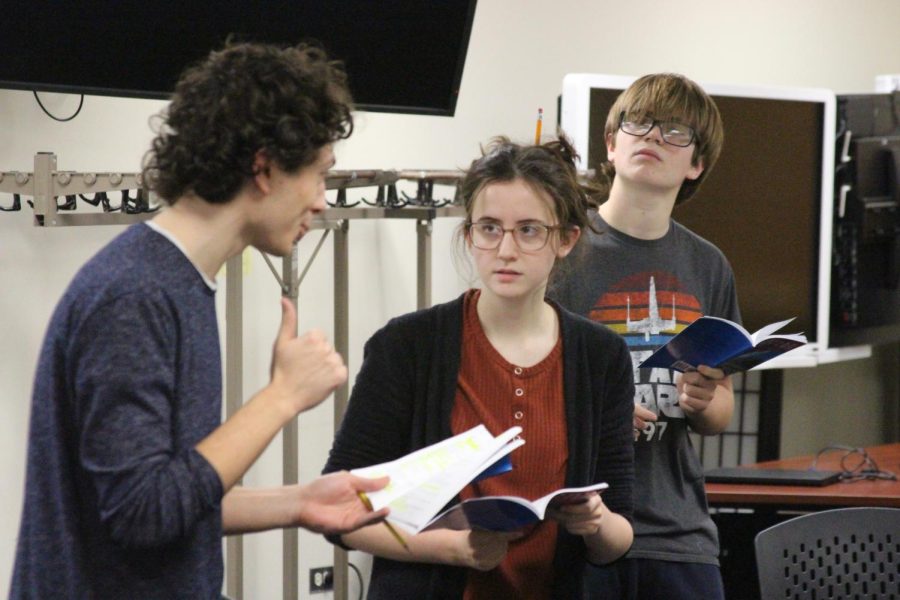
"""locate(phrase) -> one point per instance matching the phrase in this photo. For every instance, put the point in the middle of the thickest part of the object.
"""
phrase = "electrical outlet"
(321, 579)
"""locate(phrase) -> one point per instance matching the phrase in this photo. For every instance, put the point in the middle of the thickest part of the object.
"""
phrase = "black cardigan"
(402, 400)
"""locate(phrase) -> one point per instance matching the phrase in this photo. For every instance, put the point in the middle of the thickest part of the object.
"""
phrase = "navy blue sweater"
(118, 503)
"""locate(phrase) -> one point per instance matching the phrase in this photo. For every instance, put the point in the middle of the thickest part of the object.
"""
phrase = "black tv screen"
(401, 55)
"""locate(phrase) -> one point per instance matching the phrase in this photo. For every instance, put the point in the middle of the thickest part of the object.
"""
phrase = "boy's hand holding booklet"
(424, 481)
(722, 344)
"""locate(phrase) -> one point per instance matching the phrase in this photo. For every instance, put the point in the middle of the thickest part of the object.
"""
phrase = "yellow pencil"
(537, 128)
(394, 532)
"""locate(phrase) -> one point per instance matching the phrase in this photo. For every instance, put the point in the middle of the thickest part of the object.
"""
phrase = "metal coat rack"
(56, 196)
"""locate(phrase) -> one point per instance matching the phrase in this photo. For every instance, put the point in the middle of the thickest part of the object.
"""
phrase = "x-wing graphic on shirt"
(653, 324)
(631, 307)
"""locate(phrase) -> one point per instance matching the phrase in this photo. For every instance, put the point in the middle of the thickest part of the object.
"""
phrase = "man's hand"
(331, 504)
(305, 369)
(697, 388)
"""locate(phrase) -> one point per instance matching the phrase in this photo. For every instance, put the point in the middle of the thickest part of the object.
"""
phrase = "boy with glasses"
(647, 277)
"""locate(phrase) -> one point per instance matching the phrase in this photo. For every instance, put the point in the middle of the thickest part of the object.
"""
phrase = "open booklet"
(424, 481)
(723, 344)
(507, 513)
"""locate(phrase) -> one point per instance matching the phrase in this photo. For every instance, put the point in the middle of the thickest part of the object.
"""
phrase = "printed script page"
(424, 481)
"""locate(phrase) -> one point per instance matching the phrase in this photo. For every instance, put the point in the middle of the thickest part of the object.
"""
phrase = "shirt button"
(520, 392)
(517, 370)
(519, 415)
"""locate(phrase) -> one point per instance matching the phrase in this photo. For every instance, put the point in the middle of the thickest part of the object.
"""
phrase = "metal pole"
(44, 202)
(424, 228)
(342, 345)
(290, 454)
(234, 392)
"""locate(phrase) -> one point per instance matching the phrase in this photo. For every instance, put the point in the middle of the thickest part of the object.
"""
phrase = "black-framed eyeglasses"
(673, 132)
(529, 237)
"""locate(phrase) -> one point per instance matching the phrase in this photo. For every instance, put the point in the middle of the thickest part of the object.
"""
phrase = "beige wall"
(519, 52)
(853, 404)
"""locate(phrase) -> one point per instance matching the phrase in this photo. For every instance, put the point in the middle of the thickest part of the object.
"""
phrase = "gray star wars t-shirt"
(647, 291)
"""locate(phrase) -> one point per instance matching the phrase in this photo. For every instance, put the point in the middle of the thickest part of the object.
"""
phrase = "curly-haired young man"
(131, 475)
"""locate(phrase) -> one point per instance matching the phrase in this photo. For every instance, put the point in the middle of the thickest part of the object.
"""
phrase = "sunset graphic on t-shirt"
(647, 309)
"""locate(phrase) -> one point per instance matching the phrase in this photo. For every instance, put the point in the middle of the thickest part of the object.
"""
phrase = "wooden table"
(856, 493)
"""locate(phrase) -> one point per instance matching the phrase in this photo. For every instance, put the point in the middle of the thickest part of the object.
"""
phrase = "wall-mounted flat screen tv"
(401, 55)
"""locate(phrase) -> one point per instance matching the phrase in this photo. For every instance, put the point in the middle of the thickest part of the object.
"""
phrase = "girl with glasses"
(503, 355)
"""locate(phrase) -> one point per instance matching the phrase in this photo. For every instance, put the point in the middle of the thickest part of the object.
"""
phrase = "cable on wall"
(55, 118)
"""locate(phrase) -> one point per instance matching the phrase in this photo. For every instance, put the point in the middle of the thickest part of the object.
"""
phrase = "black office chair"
(846, 553)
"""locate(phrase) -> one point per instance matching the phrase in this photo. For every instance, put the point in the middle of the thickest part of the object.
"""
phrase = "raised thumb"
(288, 329)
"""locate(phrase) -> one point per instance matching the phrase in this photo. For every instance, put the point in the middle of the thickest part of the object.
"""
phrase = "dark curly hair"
(286, 102)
